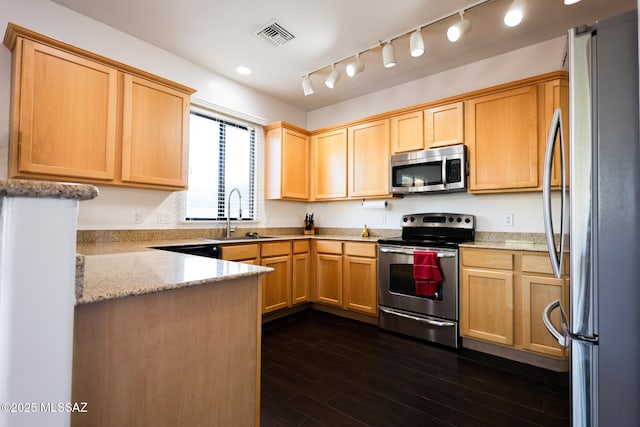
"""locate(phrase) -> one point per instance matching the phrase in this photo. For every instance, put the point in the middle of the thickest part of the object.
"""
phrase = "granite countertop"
(507, 245)
(124, 274)
(108, 270)
(46, 189)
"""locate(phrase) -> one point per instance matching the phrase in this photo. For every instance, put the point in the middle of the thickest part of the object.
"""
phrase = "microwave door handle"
(444, 170)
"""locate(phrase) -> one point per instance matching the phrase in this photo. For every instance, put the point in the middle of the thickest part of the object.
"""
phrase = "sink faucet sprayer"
(229, 209)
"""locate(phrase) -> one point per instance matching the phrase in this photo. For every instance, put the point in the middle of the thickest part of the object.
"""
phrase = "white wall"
(115, 208)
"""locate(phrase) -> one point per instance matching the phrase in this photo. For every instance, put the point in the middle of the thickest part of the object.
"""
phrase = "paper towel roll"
(374, 204)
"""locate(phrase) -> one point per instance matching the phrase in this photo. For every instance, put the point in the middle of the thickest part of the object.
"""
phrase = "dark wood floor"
(320, 369)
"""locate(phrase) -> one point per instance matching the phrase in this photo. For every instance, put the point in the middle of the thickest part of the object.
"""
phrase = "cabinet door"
(360, 284)
(65, 115)
(301, 270)
(329, 157)
(556, 95)
(155, 134)
(369, 159)
(537, 293)
(248, 254)
(276, 286)
(487, 305)
(407, 132)
(329, 279)
(502, 137)
(295, 165)
(444, 125)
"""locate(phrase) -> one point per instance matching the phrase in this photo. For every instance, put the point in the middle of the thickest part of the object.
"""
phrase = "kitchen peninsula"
(163, 338)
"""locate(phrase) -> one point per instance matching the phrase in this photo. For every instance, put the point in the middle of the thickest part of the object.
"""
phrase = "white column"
(37, 297)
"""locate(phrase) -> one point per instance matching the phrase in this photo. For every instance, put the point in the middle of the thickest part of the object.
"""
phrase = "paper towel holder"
(374, 204)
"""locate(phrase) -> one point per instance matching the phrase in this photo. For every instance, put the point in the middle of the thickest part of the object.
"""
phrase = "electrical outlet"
(508, 220)
(136, 217)
(383, 219)
(164, 217)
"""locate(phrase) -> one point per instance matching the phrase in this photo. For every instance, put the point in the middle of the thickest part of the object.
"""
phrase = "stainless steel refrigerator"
(604, 223)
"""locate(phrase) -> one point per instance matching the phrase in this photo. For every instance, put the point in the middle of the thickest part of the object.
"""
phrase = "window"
(221, 158)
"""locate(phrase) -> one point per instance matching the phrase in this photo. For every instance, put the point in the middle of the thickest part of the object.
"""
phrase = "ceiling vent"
(275, 34)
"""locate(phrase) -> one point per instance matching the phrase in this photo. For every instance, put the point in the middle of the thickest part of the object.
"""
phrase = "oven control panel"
(449, 220)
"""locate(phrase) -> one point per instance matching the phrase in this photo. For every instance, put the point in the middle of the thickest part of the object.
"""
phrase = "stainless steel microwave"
(435, 170)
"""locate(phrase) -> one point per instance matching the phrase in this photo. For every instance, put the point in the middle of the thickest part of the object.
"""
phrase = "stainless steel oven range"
(423, 302)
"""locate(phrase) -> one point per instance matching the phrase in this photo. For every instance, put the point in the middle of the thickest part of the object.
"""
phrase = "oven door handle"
(419, 319)
(410, 252)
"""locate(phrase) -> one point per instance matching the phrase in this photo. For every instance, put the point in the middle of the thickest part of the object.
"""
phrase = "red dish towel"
(426, 273)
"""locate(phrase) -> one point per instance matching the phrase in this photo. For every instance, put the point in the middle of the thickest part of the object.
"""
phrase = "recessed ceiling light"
(245, 71)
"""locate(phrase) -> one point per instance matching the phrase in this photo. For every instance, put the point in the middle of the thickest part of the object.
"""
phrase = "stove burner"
(435, 230)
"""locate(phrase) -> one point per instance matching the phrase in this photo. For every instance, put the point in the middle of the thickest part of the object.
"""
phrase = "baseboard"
(558, 365)
(345, 313)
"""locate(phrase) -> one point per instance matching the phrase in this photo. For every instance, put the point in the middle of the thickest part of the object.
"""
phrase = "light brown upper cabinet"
(444, 125)
(369, 159)
(502, 137)
(63, 99)
(286, 162)
(329, 165)
(554, 94)
(407, 132)
(155, 130)
(77, 116)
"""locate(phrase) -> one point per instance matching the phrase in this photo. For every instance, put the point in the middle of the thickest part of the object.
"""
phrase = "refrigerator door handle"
(556, 259)
(561, 337)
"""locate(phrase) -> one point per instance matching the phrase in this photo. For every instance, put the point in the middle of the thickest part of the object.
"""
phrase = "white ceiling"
(220, 35)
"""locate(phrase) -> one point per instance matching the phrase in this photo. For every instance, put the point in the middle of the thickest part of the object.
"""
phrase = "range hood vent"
(275, 34)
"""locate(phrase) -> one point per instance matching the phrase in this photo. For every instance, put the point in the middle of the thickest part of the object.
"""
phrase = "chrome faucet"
(229, 209)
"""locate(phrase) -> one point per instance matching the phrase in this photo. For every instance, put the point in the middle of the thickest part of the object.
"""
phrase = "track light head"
(333, 77)
(355, 67)
(388, 55)
(456, 31)
(416, 43)
(307, 87)
(514, 14)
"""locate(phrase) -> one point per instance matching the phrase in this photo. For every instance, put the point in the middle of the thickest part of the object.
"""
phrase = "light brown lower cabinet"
(360, 267)
(329, 272)
(300, 272)
(503, 294)
(487, 305)
(346, 275)
(276, 286)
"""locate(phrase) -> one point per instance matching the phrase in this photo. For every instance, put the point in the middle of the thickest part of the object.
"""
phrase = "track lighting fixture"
(456, 31)
(333, 77)
(307, 87)
(388, 55)
(416, 43)
(355, 67)
(515, 13)
(512, 17)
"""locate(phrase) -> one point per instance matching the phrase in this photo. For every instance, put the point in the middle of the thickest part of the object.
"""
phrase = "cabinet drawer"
(487, 259)
(240, 252)
(536, 264)
(276, 248)
(300, 246)
(360, 249)
(329, 247)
